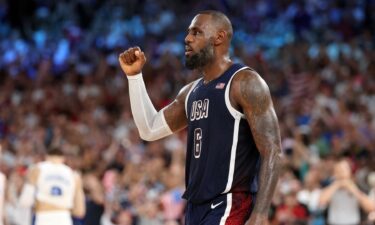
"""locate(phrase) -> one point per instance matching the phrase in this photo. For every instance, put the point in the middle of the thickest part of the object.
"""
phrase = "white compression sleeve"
(150, 123)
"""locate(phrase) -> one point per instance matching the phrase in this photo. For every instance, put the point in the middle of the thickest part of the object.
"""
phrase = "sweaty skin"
(248, 94)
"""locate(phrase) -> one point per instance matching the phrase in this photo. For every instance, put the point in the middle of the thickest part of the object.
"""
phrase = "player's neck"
(55, 159)
(216, 68)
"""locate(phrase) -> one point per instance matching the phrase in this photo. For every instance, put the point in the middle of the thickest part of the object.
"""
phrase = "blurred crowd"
(60, 85)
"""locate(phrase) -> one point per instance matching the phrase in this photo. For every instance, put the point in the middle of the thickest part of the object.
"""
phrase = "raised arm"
(365, 201)
(250, 93)
(152, 125)
(327, 193)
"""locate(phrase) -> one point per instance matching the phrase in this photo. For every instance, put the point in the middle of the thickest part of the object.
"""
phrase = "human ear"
(220, 37)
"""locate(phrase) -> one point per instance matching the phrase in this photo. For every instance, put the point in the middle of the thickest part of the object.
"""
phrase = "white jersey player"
(54, 190)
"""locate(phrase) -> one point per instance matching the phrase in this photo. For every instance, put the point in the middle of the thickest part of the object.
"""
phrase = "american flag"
(220, 85)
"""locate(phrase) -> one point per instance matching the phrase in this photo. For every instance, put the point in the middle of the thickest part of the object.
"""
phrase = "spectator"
(310, 194)
(343, 199)
(289, 210)
(94, 199)
(371, 182)
(59, 83)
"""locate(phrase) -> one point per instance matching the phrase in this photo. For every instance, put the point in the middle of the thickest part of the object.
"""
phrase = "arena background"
(60, 84)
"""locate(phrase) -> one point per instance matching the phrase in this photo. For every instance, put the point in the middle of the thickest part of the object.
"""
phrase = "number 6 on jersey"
(197, 142)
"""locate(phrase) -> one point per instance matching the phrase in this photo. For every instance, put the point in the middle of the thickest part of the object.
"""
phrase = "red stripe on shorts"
(240, 210)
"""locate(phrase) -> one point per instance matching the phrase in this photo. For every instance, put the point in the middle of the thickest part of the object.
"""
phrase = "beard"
(200, 59)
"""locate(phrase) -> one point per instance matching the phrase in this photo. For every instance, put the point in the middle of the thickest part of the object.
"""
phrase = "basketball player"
(2, 193)
(233, 133)
(54, 190)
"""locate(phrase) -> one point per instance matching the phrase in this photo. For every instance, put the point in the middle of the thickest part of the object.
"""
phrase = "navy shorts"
(227, 209)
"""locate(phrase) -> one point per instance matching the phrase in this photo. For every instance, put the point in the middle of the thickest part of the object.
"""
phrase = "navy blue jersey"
(221, 153)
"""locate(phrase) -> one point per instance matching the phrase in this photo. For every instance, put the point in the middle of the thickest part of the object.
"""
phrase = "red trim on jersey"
(240, 210)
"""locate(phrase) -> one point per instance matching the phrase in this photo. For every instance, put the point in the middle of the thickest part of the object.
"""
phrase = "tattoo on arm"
(255, 100)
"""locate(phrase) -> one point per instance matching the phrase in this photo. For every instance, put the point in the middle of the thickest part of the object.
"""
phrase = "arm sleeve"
(150, 123)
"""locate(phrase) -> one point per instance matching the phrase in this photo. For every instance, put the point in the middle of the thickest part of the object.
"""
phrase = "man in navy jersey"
(233, 147)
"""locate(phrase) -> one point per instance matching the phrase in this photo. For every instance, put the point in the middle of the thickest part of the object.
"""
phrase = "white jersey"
(55, 185)
(51, 217)
(2, 194)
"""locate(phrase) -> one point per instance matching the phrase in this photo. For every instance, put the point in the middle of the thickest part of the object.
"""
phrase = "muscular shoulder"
(250, 92)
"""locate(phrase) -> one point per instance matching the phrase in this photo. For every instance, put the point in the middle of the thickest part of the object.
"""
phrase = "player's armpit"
(250, 93)
(174, 113)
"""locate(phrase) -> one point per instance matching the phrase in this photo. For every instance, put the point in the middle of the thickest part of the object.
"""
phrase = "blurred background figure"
(59, 83)
(309, 196)
(371, 182)
(343, 199)
(287, 207)
(95, 199)
(54, 191)
(15, 213)
(2, 193)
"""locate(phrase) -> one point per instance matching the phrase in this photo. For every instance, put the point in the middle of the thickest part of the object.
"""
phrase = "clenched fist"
(132, 61)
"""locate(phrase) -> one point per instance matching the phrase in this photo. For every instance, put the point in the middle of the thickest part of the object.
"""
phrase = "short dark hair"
(55, 151)
(221, 19)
